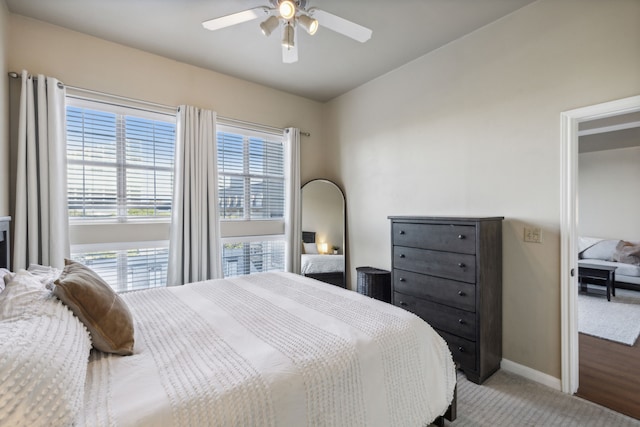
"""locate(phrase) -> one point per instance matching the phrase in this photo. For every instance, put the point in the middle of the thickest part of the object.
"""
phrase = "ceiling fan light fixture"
(288, 36)
(270, 24)
(287, 9)
(308, 23)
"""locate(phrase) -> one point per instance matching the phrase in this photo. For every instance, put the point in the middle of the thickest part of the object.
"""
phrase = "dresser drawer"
(449, 265)
(450, 292)
(440, 237)
(463, 351)
(449, 319)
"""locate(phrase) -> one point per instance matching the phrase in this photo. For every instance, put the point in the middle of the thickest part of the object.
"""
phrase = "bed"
(269, 349)
(324, 267)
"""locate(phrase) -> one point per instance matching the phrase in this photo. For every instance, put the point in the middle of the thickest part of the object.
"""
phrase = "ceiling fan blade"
(341, 25)
(236, 18)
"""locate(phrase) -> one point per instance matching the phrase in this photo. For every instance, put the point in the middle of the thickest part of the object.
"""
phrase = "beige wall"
(608, 183)
(474, 129)
(4, 111)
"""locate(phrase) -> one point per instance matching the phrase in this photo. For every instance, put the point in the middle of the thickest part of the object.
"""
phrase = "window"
(251, 180)
(120, 185)
(251, 174)
(120, 162)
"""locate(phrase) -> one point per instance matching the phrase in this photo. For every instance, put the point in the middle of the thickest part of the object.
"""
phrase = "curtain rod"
(15, 75)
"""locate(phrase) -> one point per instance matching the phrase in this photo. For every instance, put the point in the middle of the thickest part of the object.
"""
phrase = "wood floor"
(610, 374)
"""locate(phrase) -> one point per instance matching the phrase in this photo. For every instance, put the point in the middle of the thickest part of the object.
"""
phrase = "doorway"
(570, 121)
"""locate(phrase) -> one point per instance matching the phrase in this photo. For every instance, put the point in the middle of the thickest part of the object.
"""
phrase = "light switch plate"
(533, 234)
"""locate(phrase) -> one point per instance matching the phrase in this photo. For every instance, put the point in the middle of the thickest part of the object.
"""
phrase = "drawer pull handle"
(401, 231)
(461, 293)
(461, 321)
(461, 236)
(461, 349)
(404, 304)
(402, 279)
(461, 265)
(401, 255)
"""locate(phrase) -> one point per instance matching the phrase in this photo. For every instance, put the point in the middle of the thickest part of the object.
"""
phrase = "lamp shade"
(308, 23)
(270, 24)
(288, 36)
(324, 248)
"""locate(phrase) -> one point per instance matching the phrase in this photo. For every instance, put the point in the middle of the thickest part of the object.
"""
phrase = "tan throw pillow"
(627, 253)
(102, 311)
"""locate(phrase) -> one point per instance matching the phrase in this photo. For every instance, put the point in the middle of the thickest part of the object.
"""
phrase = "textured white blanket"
(272, 349)
(313, 264)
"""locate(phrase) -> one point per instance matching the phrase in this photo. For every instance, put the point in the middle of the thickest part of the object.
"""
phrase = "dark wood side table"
(375, 283)
(597, 274)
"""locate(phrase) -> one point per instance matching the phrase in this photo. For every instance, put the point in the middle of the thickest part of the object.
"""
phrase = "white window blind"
(120, 161)
(251, 174)
(247, 257)
(127, 269)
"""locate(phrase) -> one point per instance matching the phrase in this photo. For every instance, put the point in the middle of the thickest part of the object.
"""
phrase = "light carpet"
(509, 400)
(616, 320)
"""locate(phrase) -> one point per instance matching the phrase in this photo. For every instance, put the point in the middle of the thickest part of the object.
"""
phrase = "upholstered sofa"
(622, 254)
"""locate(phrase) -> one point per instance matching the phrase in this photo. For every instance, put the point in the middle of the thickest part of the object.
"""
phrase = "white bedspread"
(270, 349)
(312, 264)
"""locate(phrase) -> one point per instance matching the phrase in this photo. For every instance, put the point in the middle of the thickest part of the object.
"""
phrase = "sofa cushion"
(586, 242)
(602, 250)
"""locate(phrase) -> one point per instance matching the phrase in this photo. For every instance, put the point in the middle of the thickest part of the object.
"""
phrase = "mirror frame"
(344, 220)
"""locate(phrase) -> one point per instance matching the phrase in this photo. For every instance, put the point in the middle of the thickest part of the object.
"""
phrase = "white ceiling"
(329, 64)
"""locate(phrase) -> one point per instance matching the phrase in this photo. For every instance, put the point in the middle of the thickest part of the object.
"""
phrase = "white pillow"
(43, 361)
(4, 273)
(310, 248)
(45, 274)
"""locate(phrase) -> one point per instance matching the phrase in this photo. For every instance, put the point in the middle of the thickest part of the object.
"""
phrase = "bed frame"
(336, 278)
(452, 411)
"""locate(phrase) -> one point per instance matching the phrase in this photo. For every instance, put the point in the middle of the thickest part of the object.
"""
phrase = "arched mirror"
(323, 230)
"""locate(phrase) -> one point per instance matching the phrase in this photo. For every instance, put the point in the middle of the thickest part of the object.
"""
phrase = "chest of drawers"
(448, 271)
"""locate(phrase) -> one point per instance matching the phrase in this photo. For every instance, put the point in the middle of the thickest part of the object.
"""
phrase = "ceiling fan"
(291, 14)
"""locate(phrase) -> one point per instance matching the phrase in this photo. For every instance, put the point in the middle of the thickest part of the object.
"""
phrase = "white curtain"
(194, 248)
(41, 225)
(293, 218)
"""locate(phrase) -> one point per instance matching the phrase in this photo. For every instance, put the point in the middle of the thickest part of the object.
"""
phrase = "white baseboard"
(531, 374)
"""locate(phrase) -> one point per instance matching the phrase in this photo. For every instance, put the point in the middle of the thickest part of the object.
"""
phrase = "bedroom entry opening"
(570, 132)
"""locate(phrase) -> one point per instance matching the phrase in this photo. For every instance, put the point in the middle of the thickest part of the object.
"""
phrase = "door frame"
(569, 121)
